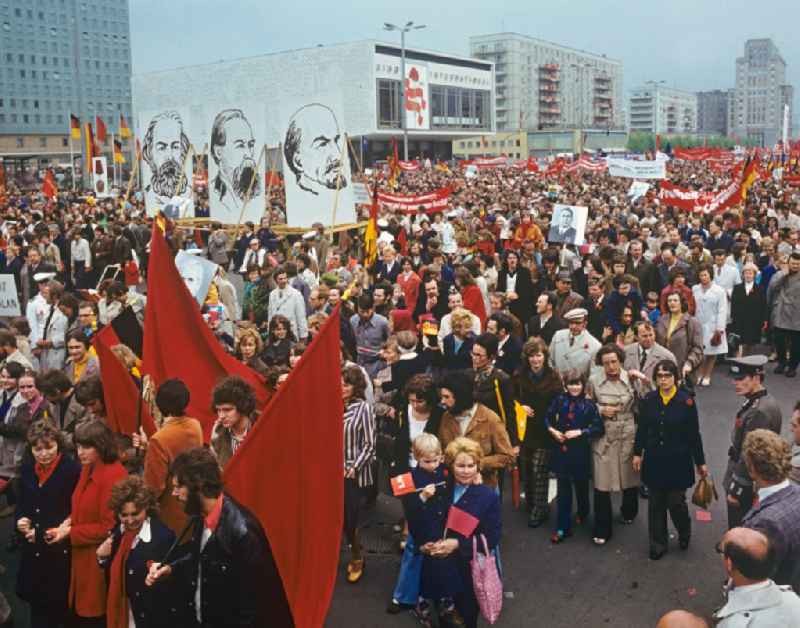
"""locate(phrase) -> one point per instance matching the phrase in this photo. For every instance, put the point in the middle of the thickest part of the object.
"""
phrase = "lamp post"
(410, 26)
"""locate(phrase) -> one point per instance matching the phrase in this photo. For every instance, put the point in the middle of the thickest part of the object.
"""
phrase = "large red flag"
(289, 473)
(49, 187)
(102, 132)
(178, 342)
(120, 392)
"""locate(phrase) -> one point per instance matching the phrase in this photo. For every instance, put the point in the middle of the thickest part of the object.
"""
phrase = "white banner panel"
(236, 165)
(633, 169)
(9, 302)
(164, 136)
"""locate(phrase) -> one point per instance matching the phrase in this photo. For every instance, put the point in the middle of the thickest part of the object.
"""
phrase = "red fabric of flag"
(461, 521)
(120, 392)
(179, 343)
(102, 132)
(289, 470)
(402, 485)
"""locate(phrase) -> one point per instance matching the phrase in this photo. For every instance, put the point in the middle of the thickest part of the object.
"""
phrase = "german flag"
(749, 177)
(124, 129)
(74, 127)
(119, 158)
(371, 234)
(91, 148)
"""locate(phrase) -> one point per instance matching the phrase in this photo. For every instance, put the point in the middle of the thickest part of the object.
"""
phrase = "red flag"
(102, 132)
(658, 142)
(402, 241)
(461, 521)
(402, 485)
(179, 343)
(120, 392)
(298, 495)
(49, 188)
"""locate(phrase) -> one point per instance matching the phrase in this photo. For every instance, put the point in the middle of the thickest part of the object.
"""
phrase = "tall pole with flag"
(785, 136)
(74, 134)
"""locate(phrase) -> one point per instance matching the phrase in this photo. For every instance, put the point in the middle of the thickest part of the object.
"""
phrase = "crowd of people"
(474, 353)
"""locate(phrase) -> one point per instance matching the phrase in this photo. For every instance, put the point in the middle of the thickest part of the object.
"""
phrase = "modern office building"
(447, 97)
(59, 57)
(542, 86)
(712, 112)
(761, 93)
(654, 108)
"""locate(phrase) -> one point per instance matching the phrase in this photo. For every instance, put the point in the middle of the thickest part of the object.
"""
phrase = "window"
(20, 142)
(388, 103)
(42, 142)
(64, 141)
(25, 118)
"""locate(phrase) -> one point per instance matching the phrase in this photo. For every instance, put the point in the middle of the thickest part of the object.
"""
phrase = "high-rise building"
(56, 58)
(712, 112)
(543, 86)
(760, 94)
(665, 110)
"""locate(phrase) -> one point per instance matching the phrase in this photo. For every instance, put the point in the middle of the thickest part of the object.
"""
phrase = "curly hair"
(423, 386)
(605, 350)
(198, 470)
(353, 376)
(280, 319)
(46, 431)
(235, 391)
(132, 489)
(769, 455)
(460, 316)
(463, 445)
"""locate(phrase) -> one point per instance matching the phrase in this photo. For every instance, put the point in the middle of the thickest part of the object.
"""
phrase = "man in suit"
(759, 411)
(777, 509)
(509, 348)
(387, 268)
(669, 262)
(563, 228)
(596, 307)
(515, 281)
(544, 324)
(566, 298)
(643, 270)
(642, 356)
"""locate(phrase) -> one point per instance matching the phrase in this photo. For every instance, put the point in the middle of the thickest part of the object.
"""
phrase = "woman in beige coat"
(612, 453)
(682, 334)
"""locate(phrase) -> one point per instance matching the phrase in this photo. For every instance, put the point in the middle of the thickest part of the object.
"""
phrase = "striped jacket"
(359, 441)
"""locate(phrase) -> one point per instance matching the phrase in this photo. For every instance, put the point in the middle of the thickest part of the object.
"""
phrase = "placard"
(568, 225)
(633, 169)
(9, 301)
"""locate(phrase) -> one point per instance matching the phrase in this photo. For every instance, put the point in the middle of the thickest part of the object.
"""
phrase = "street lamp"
(410, 26)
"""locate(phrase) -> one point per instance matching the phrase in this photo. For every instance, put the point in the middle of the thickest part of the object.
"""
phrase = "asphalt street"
(574, 584)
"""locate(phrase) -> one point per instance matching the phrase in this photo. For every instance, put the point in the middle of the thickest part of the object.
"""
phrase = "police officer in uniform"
(573, 349)
(759, 411)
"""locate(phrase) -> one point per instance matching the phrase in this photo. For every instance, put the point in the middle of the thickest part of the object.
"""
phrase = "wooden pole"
(338, 185)
(250, 189)
(132, 179)
(355, 154)
(191, 187)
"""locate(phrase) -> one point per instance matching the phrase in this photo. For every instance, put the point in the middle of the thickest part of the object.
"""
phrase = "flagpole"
(71, 152)
(338, 184)
(113, 160)
(250, 188)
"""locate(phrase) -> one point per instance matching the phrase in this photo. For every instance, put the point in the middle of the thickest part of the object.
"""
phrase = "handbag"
(704, 492)
(486, 581)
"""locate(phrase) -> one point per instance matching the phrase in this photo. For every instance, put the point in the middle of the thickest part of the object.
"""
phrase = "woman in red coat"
(471, 294)
(90, 521)
(409, 282)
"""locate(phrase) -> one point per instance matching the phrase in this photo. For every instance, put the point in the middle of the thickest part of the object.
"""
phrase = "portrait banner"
(236, 165)
(569, 224)
(100, 177)
(9, 301)
(634, 169)
(166, 166)
(197, 273)
(315, 163)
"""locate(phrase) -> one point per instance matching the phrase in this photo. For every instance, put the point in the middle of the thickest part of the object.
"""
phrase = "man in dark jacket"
(515, 281)
(229, 559)
(645, 271)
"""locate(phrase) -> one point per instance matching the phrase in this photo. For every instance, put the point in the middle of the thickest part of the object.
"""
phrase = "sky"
(690, 44)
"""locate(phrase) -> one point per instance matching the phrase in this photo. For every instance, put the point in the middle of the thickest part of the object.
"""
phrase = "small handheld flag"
(403, 485)
(461, 521)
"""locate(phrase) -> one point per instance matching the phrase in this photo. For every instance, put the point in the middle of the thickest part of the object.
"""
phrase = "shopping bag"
(486, 581)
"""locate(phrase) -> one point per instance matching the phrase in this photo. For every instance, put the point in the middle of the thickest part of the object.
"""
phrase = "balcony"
(548, 88)
(602, 79)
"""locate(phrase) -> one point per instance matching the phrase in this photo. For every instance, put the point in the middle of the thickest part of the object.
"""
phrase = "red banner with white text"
(432, 202)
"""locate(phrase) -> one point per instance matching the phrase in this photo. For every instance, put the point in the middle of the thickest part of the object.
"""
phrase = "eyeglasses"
(664, 376)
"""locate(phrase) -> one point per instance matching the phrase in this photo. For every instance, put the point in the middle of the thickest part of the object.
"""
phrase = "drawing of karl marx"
(232, 148)
(164, 151)
(313, 151)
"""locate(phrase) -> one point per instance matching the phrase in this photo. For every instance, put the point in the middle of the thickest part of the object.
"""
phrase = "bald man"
(681, 619)
(754, 600)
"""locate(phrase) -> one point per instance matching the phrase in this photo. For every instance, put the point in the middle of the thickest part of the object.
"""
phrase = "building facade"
(663, 110)
(712, 112)
(544, 86)
(757, 108)
(447, 97)
(58, 58)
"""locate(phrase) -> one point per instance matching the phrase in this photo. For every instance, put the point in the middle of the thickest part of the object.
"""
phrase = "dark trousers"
(466, 602)
(737, 513)
(564, 500)
(352, 506)
(787, 339)
(86, 622)
(659, 502)
(43, 616)
(603, 526)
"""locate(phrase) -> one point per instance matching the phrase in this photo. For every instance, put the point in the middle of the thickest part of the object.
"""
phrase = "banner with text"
(633, 169)
(431, 203)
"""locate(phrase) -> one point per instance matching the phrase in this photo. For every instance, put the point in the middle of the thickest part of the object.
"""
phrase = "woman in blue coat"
(668, 448)
(45, 488)
(572, 421)
(139, 540)
(463, 455)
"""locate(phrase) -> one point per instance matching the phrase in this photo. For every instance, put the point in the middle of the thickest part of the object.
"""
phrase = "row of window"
(492, 143)
(35, 119)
